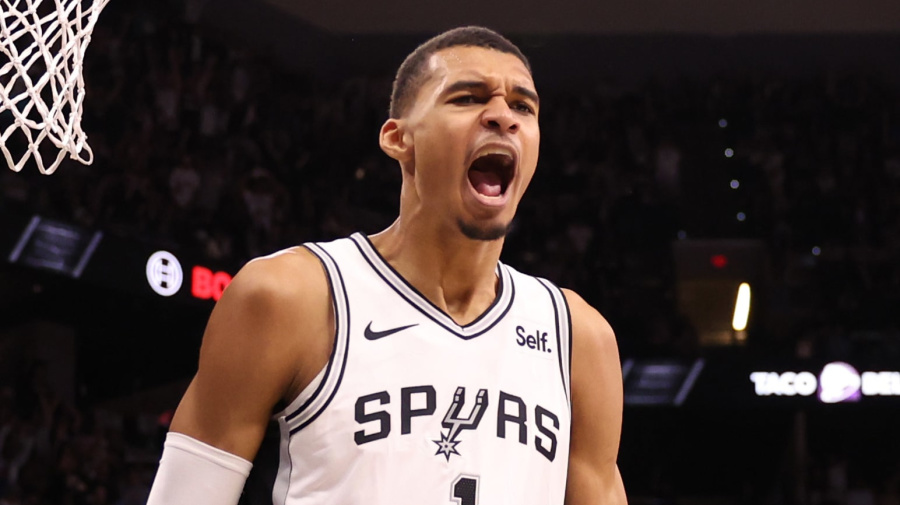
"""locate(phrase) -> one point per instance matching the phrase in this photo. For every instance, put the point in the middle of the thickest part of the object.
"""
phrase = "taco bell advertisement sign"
(837, 382)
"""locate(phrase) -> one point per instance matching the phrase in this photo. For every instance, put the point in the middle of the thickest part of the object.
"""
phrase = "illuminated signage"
(109, 261)
(53, 245)
(659, 382)
(881, 383)
(206, 284)
(784, 384)
(164, 273)
(838, 382)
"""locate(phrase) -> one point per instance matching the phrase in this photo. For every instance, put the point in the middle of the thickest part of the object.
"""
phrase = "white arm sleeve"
(194, 473)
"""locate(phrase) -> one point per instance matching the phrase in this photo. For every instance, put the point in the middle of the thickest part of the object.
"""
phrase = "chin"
(486, 232)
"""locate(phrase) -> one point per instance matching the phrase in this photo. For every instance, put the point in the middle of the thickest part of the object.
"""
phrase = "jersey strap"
(563, 335)
(310, 409)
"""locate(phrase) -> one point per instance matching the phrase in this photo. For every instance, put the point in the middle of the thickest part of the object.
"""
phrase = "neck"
(455, 273)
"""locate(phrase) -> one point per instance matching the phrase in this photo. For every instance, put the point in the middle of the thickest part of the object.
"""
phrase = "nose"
(498, 116)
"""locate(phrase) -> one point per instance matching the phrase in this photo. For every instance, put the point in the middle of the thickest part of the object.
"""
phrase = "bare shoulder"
(278, 305)
(596, 370)
(266, 338)
(287, 276)
(589, 327)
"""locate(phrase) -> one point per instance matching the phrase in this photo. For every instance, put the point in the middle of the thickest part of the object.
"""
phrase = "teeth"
(501, 152)
(508, 154)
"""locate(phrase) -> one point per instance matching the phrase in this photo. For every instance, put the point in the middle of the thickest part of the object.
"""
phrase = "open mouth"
(491, 173)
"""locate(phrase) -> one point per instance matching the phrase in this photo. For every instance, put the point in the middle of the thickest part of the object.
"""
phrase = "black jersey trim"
(563, 333)
(334, 346)
(420, 300)
(282, 485)
(565, 302)
(498, 309)
(343, 365)
(559, 338)
(341, 304)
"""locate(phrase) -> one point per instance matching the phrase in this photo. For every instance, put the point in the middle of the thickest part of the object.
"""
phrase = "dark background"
(227, 130)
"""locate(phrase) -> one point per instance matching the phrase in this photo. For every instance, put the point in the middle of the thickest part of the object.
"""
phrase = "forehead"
(477, 63)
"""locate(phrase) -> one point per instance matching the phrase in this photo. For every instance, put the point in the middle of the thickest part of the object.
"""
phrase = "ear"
(394, 141)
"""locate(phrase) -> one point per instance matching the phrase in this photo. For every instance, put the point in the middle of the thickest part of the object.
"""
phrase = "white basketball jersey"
(414, 409)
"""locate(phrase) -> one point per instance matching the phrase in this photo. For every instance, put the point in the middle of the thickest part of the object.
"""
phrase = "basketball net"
(41, 85)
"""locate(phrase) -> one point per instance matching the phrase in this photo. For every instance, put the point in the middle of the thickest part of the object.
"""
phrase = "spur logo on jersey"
(454, 424)
(373, 412)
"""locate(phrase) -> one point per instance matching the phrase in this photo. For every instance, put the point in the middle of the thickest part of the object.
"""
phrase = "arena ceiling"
(717, 17)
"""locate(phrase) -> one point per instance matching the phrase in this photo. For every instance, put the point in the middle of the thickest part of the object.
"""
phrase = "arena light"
(741, 308)
(719, 261)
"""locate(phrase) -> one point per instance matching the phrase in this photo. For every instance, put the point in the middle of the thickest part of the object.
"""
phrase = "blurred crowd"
(54, 453)
(202, 146)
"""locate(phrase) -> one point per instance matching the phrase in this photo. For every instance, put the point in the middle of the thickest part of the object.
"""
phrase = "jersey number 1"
(465, 490)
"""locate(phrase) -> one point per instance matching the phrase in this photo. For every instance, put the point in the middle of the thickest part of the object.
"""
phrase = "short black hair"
(411, 75)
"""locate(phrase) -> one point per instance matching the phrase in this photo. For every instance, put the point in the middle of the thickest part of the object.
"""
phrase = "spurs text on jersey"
(515, 420)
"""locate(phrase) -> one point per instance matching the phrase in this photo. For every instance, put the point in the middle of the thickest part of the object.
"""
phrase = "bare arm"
(594, 477)
(267, 337)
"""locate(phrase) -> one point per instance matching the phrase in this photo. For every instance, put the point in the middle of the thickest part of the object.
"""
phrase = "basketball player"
(411, 366)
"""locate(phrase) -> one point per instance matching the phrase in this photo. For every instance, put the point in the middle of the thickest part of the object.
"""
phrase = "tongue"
(486, 183)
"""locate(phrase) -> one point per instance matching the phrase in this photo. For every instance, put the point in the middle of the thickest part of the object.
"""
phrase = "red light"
(205, 284)
(165, 419)
(719, 261)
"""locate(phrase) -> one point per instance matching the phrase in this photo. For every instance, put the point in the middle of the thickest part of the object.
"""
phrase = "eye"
(524, 107)
(464, 99)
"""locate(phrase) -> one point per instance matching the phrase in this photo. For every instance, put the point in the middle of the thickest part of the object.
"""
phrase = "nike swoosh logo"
(375, 335)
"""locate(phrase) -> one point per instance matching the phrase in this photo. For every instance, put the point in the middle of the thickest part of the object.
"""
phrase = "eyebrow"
(481, 86)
